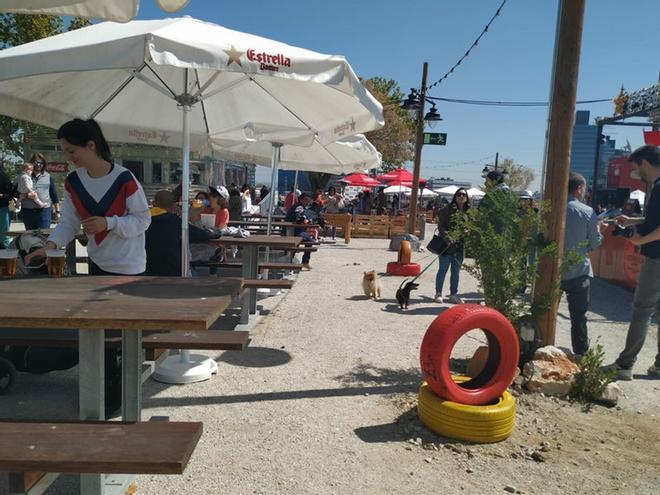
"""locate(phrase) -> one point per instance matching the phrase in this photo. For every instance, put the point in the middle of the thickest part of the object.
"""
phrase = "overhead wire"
(467, 53)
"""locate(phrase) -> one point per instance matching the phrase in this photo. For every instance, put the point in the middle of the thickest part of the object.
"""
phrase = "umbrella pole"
(295, 181)
(274, 163)
(186, 367)
(185, 190)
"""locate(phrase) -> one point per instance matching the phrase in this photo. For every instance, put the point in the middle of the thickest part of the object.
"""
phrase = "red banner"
(57, 167)
(652, 137)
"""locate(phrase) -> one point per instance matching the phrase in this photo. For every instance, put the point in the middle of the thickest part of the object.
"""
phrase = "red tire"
(440, 339)
(409, 270)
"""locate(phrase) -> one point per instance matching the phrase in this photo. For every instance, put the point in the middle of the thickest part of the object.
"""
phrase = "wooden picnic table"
(251, 247)
(130, 303)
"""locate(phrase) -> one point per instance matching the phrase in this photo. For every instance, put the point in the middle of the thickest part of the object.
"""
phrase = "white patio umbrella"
(397, 190)
(174, 82)
(424, 193)
(138, 79)
(473, 192)
(347, 155)
(447, 190)
(111, 10)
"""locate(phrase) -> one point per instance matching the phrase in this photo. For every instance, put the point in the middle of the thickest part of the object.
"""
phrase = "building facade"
(156, 167)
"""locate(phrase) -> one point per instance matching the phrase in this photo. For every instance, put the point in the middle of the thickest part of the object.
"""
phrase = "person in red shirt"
(218, 206)
(291, 199)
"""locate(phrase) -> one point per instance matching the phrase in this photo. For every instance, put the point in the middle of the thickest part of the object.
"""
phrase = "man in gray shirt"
(582, 235)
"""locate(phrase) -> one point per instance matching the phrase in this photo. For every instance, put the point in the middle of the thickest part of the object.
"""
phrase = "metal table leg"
(91, 383)
(131, 374)
(250, 270)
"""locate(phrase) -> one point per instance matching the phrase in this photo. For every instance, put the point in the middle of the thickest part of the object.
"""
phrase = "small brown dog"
(371, 284)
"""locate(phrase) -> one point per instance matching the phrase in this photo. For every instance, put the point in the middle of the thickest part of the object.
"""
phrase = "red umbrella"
(360, 180)
(400, 177)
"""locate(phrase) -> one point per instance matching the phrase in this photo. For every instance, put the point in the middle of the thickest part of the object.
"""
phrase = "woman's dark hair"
(454, 204)
(38, 161)
(202, 193)
(332, 188)
(234, 192)
(79, 132)
(245, 187)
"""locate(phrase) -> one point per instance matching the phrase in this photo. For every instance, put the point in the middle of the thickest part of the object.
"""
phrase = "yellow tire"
(479, 424)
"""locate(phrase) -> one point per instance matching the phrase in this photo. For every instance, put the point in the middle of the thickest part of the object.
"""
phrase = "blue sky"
(392, 39)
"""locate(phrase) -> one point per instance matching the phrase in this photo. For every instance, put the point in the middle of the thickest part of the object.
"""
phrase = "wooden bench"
(30, 449)
(372, 226)
(154, 342)
(340, 221)
(262, 266)
(281, 283)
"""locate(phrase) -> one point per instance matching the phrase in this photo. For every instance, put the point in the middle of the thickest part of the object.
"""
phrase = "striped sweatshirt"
(119, 198)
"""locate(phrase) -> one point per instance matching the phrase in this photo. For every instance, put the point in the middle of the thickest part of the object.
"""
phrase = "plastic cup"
(8, 262)
(56, 261)
(208, 220)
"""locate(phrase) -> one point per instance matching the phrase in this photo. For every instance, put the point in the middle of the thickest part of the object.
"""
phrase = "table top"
(263, 224)
(274, 241)
(121, 302)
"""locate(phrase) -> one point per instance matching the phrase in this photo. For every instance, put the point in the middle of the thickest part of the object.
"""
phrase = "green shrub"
(591, 381)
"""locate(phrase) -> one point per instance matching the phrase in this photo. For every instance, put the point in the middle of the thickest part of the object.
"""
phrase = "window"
(136, 167)
(156, 172)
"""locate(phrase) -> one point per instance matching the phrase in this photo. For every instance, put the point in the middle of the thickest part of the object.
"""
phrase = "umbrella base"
(185, 368)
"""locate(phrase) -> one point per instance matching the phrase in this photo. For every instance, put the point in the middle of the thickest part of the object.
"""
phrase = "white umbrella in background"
(473, 192)
(175, 82)
(424, 193)
(397, 190)
(295, 152)
(112, 10)
(447, 190)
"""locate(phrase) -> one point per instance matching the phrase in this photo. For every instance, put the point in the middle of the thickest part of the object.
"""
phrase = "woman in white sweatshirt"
(105, 199)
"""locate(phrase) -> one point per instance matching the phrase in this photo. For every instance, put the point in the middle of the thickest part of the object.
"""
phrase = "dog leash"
(437, 257)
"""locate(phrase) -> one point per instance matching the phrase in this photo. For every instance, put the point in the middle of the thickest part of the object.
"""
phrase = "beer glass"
(56, 261)
(8, 262)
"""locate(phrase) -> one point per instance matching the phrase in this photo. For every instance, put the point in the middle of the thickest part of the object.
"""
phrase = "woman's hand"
(94, 225)
(39, 253)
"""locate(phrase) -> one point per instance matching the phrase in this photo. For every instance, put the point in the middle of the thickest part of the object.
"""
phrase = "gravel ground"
(323, 402)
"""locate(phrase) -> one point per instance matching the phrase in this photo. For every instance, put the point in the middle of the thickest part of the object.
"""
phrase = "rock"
(550, 373)
(537, 456)
(428, 460)
(469, 470)
(413, 239)
(548, 353)
(510, 489)
(611, 394)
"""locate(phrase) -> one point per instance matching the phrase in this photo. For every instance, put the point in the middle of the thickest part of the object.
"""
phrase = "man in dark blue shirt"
(646, 165)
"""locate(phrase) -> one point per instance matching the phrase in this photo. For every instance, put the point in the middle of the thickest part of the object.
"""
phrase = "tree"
(519, 177)
(395, 141)
(17, 29)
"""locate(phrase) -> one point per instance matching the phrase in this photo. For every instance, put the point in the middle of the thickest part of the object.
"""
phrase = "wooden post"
(562, 118)
(419, 142)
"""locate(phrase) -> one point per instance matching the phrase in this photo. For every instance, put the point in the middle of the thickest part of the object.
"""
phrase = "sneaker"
(438, 297)
(653, 371)
(306, 266)
(454, 299)
(623, 374)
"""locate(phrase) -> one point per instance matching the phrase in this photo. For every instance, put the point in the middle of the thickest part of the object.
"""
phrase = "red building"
(618, 175)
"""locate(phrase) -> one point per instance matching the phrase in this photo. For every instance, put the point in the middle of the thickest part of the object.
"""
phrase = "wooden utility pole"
(562, 118)
(419, 142)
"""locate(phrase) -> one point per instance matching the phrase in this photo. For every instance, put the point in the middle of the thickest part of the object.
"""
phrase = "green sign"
(435, 138)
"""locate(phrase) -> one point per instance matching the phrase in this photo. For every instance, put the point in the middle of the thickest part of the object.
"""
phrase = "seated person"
(163, 237)
(218, 206)
(302, 214)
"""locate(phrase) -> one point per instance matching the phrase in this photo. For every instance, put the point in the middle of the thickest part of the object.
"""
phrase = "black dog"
(403, 293)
